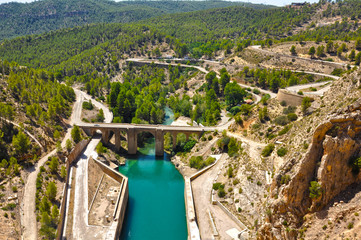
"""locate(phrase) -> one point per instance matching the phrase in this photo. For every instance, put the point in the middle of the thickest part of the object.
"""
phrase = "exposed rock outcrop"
(335, 143)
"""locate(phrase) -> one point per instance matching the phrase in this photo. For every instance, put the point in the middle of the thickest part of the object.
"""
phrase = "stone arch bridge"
(132, 131)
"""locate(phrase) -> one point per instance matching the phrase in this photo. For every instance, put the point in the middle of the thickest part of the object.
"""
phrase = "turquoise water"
(156, 207)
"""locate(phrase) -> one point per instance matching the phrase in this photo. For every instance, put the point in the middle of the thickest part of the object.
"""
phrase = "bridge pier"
(132, 141)
(105, 136)
(174, 137)
(159, 143)
(117, 140)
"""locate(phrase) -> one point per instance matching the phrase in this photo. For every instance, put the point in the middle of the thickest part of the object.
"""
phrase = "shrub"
(315, 190)
(51, 191)
(281, 120)
(54, 164)
(355, 164)
(268, 150)
(88, 105)
(230, 172)
(196, 162)
(15, 188)
(210, 160)
(240, 191)
(189, 145)
(210, 137)
(281, 151)
(221, 193)
(217, 186)
(350, 225)
(239, 209)
(235, 181)
(283, 103)
(289, 109)
(284, 130)
(238, 119)
(230, 189)
(292, 117)
(285, 179)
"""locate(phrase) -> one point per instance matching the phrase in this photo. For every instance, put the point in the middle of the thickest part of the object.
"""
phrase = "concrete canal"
(156, 208)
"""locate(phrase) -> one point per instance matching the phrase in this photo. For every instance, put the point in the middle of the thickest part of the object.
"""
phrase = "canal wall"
(115, 229)
(74, 154)
(193, 230)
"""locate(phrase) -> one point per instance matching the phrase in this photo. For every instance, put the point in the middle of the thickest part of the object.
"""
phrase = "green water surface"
(156, 207)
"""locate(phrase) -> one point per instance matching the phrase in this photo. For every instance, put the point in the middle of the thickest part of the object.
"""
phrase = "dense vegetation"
(36, 95)
(274, 79)
(19, 19)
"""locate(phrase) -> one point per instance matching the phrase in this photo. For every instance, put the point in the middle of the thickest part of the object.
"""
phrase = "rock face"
(335, 143)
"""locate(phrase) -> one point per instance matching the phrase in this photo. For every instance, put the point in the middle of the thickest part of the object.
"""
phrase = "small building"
(249, 101)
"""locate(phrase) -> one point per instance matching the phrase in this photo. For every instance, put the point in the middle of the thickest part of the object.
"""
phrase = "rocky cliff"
(329, 163)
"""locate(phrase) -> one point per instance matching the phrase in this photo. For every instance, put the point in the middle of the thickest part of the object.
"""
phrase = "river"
(156, 208)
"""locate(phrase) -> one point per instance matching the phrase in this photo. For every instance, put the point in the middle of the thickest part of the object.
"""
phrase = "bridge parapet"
(132, 131)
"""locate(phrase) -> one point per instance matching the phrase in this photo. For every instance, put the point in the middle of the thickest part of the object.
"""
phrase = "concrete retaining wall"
(114, 231)
(75, 153)
(290, 98)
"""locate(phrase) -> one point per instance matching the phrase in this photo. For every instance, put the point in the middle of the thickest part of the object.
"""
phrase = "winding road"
(27, 209)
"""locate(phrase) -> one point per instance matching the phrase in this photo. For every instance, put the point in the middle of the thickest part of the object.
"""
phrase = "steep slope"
(323, 162)
(18, 19)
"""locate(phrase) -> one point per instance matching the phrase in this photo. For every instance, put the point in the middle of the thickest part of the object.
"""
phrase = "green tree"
(100, 148)
(51, 191)
(315, 190)
(55, 213)
(75, 134)
(100, 116)
(63, 172)
(358, 44)
(54, 164)
(21, 143)
(234, 94)
(68, 145)
(358, 59)
(312, 52)
(320, 51)
(329, 47)
(306, 103)
(293, 50)
(56, 134)
(352, 55)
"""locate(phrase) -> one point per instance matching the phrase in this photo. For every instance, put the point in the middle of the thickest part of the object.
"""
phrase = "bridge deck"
(126, 126)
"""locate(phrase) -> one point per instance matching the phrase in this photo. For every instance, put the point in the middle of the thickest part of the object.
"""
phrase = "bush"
(230, 189)
(292, 117)
(221, 193)
(88, 105)
(209, 161)
(300, 93)
(196, 162)
(15, 188)
(217, 186)
(266, 152)
(235, 181)
(189, 145)
(283, 103)
(285, 179)
(315, 190)
(240, 191)
(238, 119)
(281, 120)
(282, 151)
(284, 130)
(289, 109)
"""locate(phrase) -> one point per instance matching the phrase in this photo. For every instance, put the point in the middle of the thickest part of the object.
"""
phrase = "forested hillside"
(18, 19)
